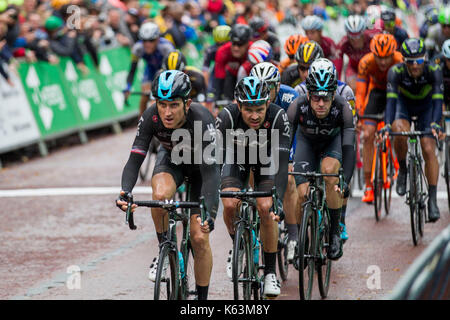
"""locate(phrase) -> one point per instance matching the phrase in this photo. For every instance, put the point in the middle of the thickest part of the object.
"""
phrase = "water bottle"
(255, 248)
(180, 258)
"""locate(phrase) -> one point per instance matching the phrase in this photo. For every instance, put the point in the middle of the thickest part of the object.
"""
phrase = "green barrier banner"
(45, 88)
(114, 67)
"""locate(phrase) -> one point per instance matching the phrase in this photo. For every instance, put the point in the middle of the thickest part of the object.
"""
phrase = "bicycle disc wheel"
(283, 264)
(242, 264)
(323, 263)
(188, 286)
(306, 253)
(166, 283)
(413, 201)
(390, 178)
(378, 186)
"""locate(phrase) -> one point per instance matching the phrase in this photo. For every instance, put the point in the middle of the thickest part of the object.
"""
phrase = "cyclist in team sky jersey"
(283, 95)
(371, 95)
(152, 48)
(443, 60)
(415, 88)
(323, 124)
(313, 26)
(174, 110)
(254, 112)
(305, 55)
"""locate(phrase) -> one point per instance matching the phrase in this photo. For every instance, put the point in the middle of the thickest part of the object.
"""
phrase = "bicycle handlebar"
(376, 117)
(418, 134)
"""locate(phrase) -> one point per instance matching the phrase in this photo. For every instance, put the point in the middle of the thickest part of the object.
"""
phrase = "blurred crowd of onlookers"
(48, 29)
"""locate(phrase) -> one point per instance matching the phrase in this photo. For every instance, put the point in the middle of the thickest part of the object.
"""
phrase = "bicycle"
(446, 161)
(283, 264)
(417, 188)
(181, 282)
(245, 264)
(384, 171)
(314, 236)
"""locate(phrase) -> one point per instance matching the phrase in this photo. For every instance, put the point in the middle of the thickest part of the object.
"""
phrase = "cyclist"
(355, 45)
(305, 55)
(290, 47)
(415, 88)
(254, 112)
(389, 25)
(229, 58)
(439, 32)
(259, 51)
(431, 18)
(443, 60)
(152, 48)
(174, 110)
(221, 34)
(325, 136)
(371, 95)
(261, 32)
(175, 60)
(282, 95)
(313, 26)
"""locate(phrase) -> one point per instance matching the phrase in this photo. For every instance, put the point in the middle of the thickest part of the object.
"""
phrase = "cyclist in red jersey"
(356, 44)
(313, 26)
(229, 58)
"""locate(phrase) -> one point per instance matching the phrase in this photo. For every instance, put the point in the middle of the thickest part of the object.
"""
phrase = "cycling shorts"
(424, 112)
(376, 104)
(163, 163)
(237, 175)
(309, 154)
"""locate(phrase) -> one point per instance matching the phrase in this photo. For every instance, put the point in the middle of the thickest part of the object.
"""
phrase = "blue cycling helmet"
(322, 76)
(251, 91)
(171, 84)
(412, 48)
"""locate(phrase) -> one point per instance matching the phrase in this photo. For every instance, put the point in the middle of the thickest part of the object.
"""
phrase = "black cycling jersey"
(198, 118)
(210, 56)
(231, 125)
(424, 94)
(291, 76)
(440, 60)
(339, 121)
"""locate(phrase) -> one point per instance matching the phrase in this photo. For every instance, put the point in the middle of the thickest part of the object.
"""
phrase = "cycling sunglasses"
(415, 61)
(303, 68)
(389, 24)
(357, 35)
(238, 43)
(326, 98)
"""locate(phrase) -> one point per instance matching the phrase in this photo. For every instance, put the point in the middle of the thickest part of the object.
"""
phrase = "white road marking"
(44, 192)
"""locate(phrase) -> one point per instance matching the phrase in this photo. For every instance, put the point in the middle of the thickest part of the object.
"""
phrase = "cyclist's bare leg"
(230, 209)
(400, 143)
(369, 129)
(431, 162)
(331, 165)
(164, 187)
(269, 228)
(202, 251)
(144, 98)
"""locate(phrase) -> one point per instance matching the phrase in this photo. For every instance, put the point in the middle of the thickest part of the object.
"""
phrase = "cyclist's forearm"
(391, 102)
(437, 109)
(131, 171)
(348, 161)
(130, 76)
(210, 187)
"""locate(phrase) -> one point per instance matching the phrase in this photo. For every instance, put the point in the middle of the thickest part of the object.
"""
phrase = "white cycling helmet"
(148, 31)
(312, 23)
(259, 51)
(355, 24)
(266, 71)
(446, 48)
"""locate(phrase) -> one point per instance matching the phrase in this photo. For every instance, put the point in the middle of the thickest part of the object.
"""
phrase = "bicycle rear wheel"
(188, 287)
(414, 197)
(166, 286)
(306, 245)
(390, 171)
(378, 186)
(323, 263)
(283, 264)
(242, 264)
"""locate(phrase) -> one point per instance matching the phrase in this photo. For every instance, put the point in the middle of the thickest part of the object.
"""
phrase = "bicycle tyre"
(390, 176)
(167, 288)
(422, 207)
(378, 186)
(306, 245)
(283, 264)
(242, 287)
(413, 201)
(188, 286)
(323, 263)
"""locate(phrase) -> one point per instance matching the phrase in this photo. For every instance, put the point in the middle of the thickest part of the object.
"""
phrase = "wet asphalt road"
(47, 237)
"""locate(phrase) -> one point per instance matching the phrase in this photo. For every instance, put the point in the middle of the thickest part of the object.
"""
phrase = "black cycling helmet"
(413, 48)
(251, 91)
(322, 76)
(258, 25)
(240, 33)
(171, 84)
(388, 14)
(308, 52)
(175, 60)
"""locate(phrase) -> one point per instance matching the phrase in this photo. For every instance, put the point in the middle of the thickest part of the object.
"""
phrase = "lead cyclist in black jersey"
(174, 120)
(325, 140)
